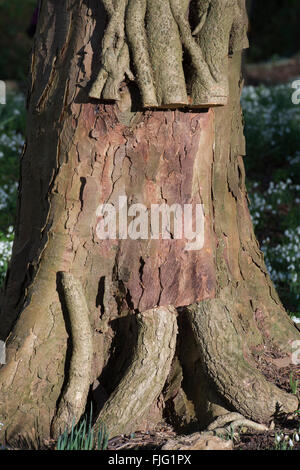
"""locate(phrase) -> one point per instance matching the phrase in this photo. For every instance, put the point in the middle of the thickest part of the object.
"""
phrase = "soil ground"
(277, 369)
(154, 440)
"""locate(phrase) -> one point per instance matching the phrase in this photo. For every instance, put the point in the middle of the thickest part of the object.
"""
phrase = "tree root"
(135, 29)
(146, 375)
(236, 420)
(228, 364)
(73, 400)
(222, 420)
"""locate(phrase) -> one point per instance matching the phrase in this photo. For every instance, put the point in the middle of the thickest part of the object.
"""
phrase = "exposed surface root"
(247, 423)
(223, 420)
(147, 373)
(228, 364)
(236, 420)
(73, 400)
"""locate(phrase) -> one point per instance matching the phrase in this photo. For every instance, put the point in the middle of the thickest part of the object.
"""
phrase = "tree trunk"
(81, 154)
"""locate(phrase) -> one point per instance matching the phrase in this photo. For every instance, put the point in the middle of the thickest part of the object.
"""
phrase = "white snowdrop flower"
(297, 435)
(278, 438)
(291, 444)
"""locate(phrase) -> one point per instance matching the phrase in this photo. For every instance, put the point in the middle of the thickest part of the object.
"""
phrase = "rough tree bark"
(81, 153)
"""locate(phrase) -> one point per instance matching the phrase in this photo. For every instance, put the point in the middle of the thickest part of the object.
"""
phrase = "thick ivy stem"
(155, 34)
(115, 55)
(201, 12)
(165, 49)
(136, 33)
(179, 10)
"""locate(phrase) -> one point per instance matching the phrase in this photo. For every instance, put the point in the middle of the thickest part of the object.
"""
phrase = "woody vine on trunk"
(158, 33)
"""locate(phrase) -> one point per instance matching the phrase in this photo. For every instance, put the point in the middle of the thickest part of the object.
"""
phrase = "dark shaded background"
(15, 44)
(274, 29)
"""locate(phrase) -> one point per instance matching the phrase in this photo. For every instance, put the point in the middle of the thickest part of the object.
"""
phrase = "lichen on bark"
(156, 36)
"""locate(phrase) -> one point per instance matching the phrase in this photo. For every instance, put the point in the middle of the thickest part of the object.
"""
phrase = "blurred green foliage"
(272, 129)
(274, 29)
(12, 129)
(15, 45)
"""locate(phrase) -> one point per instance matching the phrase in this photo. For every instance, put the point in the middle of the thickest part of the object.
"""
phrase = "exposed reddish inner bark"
(142, 168)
